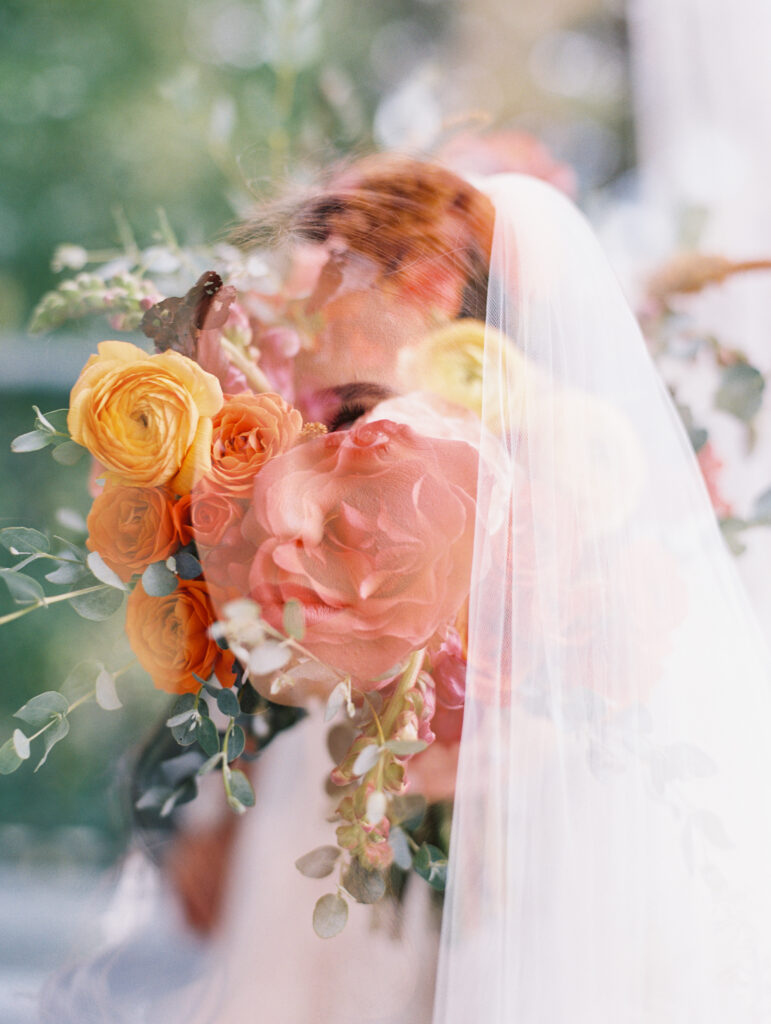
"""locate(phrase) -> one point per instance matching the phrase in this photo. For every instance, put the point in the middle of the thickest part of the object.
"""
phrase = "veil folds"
(611, 836)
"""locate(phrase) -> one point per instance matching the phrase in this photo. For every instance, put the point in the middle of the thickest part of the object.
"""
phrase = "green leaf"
(103, 572)
(227, 702)
(20, 744)
(67, 573)
(51, 737)
(82, 678)
(211, 764)
(23, 589)
(153, 798)
(68, 453)
(399, 843)
(330, 915)
(364, 884)
(431, 863)
(762, 507)
(207, 737)
(242, 794)
(236, 743)
(404, 748)
(188, 566)
(54, 421)
(20, 540)
(408, 810)
(39, 709)
(158, 580)
(294, 619)
(32, 441)
(741, 391)
(367, 759)
(106, 695)
(319, 862)
(9, 759)
(183, 794)
(98, 605)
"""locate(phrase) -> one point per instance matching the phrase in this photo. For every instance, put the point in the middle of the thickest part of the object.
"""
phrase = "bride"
(611, 833)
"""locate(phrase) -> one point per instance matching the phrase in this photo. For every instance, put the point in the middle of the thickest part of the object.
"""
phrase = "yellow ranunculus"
(449, 362)
(145, 418)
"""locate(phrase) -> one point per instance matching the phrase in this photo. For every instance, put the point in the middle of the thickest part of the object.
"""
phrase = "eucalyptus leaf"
(404, 748)
(20, 744)
(158, 580)
(210, 764)
(66, 573)
(741, 391)
(330, 915)
(336, 701)
(367, 759)
(153, 798)
(236, 743)
(187, 565)
(68, 453)
(71, 519)
(54, 421)
(294, 619)
(181, 795)
(364, 884)
(207, 737)
(23, 589)
(762, 507)
(39, 709)
(180, 719)
(176, 769)
(32, 441)
(227, 702)
(51, 737)
(408, 810)
(399, 843)
(319, 862)
(431, 863)
(241, 789)
(82, 678)
(21, 540)
(712, 828)
(103, 572)
(9, 759)
(97, 605)
(106, 695)
(268, 657)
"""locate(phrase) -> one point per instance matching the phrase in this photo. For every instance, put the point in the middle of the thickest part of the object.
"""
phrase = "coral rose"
(131, 527)
(248, 432)
(371, 530)
(145, 418)
(209, 517)
(170, 637)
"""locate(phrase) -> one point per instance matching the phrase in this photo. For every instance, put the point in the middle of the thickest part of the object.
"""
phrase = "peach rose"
(145, 418)
(131, 527)
(170, 637)
(209, 517)
(248, 432)
(372, 531)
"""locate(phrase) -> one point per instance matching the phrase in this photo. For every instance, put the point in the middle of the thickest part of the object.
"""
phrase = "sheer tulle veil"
(611, 844)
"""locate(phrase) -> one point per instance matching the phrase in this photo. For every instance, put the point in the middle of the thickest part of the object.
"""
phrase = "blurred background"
(653, 113)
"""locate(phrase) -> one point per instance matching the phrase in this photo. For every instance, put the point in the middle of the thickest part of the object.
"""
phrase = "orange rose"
(131, 527)
(170, 637)
(145, 418)
(248, 432)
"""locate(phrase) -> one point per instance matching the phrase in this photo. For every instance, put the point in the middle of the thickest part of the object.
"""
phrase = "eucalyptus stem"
(407, 681)
(46, 601)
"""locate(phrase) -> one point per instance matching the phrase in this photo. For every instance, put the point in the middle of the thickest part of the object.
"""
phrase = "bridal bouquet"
(277, 538)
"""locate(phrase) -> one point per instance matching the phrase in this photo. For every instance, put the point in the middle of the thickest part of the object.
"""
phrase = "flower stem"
(46, 601)
(405, 684)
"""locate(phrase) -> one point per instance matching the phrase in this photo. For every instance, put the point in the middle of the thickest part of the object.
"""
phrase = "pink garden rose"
(372, 531)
